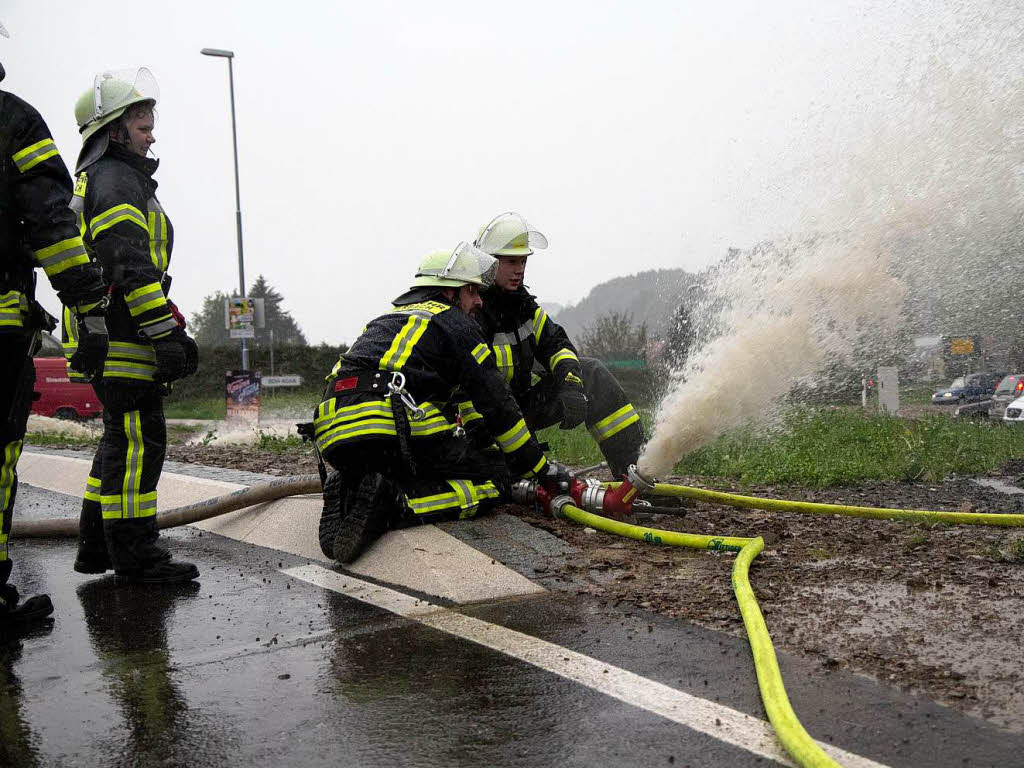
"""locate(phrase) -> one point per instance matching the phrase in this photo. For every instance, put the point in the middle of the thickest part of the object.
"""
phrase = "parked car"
(968, 389)
(56, 395)
(1010, 388)
(1015, 411)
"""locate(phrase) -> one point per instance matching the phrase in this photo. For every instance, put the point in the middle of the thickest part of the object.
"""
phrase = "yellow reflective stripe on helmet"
(614, 423)
(480, 352)
(503, 359)
(401, 346)
(514, 438)
(144, 298)
(32, 155)
(133, 463)
(115, 215)
(55, 258)
(559, 356)
(540, 318)
(92, 489)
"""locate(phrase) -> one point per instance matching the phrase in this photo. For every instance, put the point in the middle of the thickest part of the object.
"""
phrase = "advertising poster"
(243, 397)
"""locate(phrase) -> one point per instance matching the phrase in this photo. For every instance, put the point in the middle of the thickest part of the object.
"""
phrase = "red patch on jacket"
(342, 384)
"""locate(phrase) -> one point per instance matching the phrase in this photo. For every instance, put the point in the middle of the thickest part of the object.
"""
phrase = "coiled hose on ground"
(780, 712)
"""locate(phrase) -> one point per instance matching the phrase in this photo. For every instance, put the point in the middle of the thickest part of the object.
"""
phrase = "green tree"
(614, 336)
(207, 325)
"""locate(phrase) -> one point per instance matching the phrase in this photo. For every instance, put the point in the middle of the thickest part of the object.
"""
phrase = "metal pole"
(238, 204)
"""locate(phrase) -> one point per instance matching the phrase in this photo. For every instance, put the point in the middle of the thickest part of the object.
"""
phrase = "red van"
(57, 395)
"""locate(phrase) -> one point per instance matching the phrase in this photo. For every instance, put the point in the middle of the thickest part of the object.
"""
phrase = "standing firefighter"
(36, 230)
(550, 382)
(128, 233)
(381, 426)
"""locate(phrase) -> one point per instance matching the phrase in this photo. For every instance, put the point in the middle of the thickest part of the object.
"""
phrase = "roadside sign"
(242, 316)
(963, 345)
(286, 380)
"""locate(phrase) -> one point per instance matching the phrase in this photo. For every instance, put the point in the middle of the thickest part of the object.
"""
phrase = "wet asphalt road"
(252, 666)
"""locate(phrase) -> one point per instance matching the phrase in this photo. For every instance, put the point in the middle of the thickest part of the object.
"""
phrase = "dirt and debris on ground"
(934, 610)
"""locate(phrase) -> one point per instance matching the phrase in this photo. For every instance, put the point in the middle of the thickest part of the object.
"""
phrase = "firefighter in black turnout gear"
(550, 382)
(36, 231)
(128, 233)
(382, 423)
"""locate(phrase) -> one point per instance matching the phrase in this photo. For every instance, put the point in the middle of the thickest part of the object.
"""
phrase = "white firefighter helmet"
(509, 235)
(454, 268)
(112, 92)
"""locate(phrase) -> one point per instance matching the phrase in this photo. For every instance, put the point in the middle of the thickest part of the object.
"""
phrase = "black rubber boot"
(333, 512)
(369, 507)
(92, 562)
(168, 572)
(16, 616)
(92, 554)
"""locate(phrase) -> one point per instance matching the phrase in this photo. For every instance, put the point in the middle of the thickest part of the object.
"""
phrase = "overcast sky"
(635, 135)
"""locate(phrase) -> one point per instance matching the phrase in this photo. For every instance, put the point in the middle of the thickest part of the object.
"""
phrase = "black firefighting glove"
(556, 478)
(177, 356)
(93, 342)
(574, 401)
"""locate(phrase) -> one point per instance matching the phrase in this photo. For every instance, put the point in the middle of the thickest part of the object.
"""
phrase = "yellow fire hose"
(780, 712)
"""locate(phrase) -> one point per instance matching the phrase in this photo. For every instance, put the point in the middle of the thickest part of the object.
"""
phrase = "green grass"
(200, 408)
(62, 439)
(289, 404)
(843, 446)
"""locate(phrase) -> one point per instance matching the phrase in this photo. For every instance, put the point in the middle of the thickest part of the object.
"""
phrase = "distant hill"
(650, 296)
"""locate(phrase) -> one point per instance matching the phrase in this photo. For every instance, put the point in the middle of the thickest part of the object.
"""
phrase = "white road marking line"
(727, 725)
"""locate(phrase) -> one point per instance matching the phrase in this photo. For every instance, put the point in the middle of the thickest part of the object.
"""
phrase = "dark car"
(1009, 389)
(968, 389)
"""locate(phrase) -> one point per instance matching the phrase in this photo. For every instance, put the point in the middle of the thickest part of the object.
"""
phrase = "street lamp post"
(230, 55)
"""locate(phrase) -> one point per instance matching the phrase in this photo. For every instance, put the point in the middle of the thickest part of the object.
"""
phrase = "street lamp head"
(218, 52)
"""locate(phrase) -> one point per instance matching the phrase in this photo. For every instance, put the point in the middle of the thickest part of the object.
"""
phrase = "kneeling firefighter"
(397, 458)
(551, 383)
(126, 230)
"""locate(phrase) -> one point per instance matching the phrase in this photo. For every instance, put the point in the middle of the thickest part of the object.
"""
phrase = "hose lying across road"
(188, 514)
(780, 712)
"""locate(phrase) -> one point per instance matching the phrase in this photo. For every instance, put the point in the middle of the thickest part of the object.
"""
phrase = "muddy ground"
(934, 610)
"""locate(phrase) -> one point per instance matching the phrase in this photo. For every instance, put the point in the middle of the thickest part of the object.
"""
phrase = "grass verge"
(842, 446)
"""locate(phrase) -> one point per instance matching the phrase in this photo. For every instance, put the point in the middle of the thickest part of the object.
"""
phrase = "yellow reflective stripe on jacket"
(128, 360)
(11, 309)
(375, 417)
(614, 423)
(480, 352)
(540, 318)
(32, 155)
(55, 258)
(503, 359)
(158, 237)
(92, 489)
(514, 438)
(145, 298)
(8, 463)
(559, 356)
(115, 215)
(401, 347)
(467, 412)
(432, 423)
(538, 467)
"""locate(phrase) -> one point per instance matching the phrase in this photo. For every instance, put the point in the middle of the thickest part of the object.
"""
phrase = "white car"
(1015, 411)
